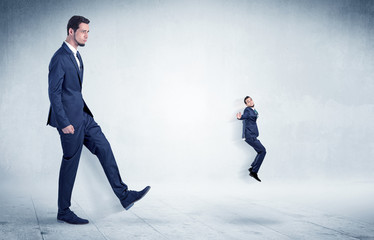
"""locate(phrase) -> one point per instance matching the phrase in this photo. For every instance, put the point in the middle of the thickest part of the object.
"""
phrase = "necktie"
(256, 113)
(80, 61)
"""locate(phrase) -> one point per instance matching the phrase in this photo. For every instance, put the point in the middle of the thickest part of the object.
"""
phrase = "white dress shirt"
(75, 53)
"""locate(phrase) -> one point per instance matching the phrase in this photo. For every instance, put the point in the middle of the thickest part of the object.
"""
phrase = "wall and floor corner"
(164, 79)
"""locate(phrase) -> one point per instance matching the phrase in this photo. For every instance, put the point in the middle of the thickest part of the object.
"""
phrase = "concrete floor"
(242, 211)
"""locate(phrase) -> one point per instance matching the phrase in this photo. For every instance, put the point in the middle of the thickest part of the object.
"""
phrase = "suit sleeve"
(247, 115)
(55, 79)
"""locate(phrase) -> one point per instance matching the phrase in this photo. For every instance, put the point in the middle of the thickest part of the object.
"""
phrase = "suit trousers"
(261, 152)
(90, 135)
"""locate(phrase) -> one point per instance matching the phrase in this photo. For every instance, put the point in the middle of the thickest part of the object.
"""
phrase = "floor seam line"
(196, 220)
(266, 227)
(37, 218)
(91, 220)
(150, 225)
(331, 229)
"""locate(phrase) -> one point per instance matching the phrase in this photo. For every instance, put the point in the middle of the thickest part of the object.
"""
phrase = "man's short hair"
(246, 99)
(75, 21)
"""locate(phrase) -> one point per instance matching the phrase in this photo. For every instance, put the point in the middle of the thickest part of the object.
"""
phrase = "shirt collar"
(71, 48)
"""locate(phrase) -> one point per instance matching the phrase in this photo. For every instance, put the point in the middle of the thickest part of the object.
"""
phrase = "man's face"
(249, 102)
(81, 34)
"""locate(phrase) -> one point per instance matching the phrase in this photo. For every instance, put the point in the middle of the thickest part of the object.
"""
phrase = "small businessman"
(250, 134)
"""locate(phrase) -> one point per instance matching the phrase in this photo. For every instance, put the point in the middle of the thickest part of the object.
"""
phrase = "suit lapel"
(254, 111)
(72, 58)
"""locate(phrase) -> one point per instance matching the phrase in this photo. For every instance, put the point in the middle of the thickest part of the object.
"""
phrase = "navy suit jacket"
(65, 90)
(249, 118)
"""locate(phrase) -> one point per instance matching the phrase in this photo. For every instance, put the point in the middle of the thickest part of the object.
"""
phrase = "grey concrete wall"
(164, 79)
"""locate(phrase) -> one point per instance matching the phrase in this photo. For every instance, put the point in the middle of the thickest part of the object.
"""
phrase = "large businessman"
(250, 134)
(75, 124)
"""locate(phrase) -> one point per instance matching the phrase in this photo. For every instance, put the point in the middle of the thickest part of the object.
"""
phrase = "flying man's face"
(249, 102)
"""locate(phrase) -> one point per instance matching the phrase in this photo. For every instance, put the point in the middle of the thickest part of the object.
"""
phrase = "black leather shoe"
(71, 217)
(254, 175)
(134, 196)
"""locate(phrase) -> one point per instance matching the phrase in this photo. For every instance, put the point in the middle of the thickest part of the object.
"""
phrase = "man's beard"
(79, 44)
